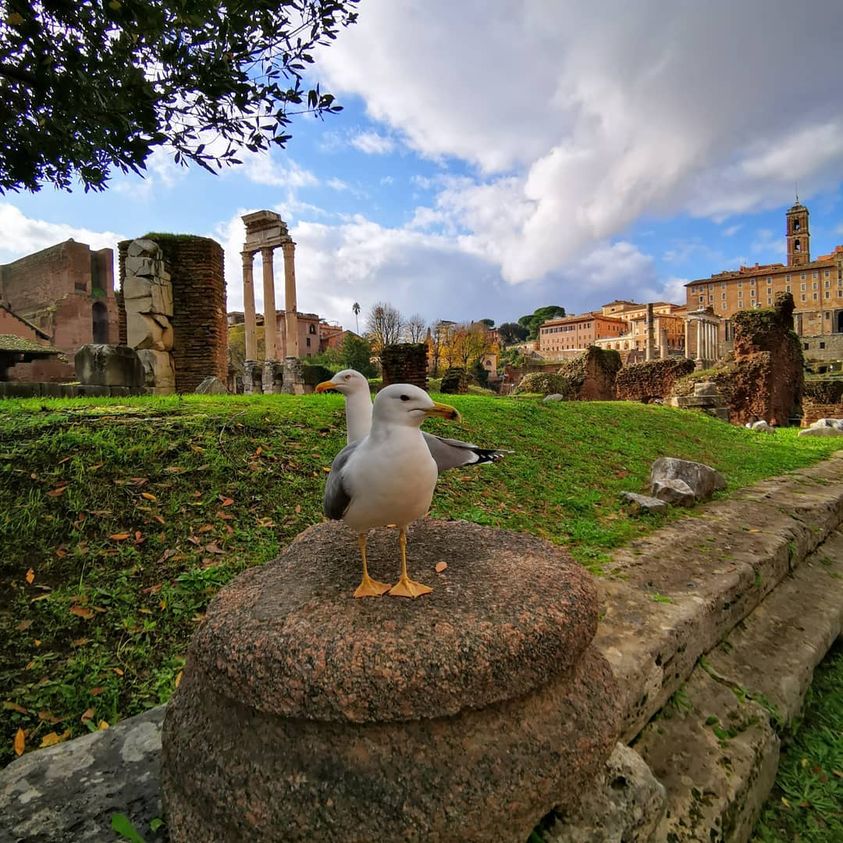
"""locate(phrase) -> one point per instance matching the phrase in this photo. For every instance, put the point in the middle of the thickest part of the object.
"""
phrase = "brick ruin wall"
(57, 290)
(200, 330)
(591, 376)
(651, 380)
(405, 363)
(812, 411)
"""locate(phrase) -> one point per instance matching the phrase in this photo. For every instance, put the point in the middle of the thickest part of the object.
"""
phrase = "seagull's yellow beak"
(446, 411)
(325, 386)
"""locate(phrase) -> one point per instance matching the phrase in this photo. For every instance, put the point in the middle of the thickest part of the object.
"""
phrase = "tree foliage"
(357, 354)
(415, 329)
(532, 321)
(384, 325)
(511, 333)
(89, 86)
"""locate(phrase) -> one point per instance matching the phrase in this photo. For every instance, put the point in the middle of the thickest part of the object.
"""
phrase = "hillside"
(119, 520)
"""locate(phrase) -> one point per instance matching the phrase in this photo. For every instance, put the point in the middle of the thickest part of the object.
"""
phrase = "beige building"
(308, 333)
(567, 333)
(816, 285)
(668, 328)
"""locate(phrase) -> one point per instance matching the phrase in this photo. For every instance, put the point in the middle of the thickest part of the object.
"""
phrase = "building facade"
(668, 329)
(815, 283)
(569, 333)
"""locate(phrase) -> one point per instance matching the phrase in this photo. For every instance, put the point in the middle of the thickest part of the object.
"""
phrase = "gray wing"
(451, 453)
(337, 497)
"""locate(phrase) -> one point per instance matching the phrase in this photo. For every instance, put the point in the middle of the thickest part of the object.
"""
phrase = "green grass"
(806, 805)
(120, 519)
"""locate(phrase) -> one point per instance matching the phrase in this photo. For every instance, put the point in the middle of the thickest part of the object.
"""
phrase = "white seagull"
(387, 478)
(448, 453)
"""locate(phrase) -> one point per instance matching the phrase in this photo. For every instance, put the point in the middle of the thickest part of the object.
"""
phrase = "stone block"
(144, 295)
(706, 389)
(821, 431)
(146, 330)
(142, 266)
(643, 503)
(158, 370)
(108, 365)
(141, 247)
(702, 479)
(466, 715)
(212, 386)
(556, 396)
(68, 792)
(625, 806)
(673, 491)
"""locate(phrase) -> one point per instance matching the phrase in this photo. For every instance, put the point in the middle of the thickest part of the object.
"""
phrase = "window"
(81, 287)
(796, 225)
(803, 276)
(804, 297)
(801, 286)
(815, 296)
(769, 280)
(828, 294)
(822, 345)
(797, 246)
(307, 340)
(787, 289)
(805, 346)
(311, 330)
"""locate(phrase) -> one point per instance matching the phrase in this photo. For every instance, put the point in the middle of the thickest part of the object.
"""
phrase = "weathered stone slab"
(108, 365)
(717, 757)
(626, 805)
(772, 655)
(212, 386)
(141, 247)
(672, 596)
(675, 491)
(821, 431)
(643, 503)
(68, 793)
(158, 369)
(305, 714)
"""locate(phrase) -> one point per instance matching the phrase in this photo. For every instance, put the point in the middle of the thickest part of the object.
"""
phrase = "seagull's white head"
(348, 382)
(407, 405)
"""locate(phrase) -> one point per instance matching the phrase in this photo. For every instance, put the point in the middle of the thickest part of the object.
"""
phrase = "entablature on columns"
(264, 230)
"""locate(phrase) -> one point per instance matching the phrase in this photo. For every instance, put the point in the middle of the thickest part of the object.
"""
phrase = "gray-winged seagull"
(448, 453)
(387, 478)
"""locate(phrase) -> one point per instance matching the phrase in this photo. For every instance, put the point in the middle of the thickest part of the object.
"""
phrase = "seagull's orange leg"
(405, 587)
(368, 587)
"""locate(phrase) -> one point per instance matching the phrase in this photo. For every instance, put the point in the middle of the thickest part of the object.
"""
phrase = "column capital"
(266, 252)
(247, 256)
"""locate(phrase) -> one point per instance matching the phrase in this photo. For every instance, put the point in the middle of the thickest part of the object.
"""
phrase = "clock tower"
(798, 235)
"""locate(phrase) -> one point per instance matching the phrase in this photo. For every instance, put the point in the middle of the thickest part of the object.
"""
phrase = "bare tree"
(383, 325)
(415, 328)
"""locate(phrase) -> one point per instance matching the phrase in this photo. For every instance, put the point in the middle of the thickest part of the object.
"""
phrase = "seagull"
(387, 478)
(448, 453)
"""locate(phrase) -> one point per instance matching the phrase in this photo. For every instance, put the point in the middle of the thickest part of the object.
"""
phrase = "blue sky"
(496, 156)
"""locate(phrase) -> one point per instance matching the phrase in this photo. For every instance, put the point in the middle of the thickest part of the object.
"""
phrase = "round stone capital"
(509, 613)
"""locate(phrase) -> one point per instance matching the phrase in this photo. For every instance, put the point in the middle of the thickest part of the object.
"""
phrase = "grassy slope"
(127, 516)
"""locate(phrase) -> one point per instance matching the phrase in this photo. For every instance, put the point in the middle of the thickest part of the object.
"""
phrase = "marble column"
(688, 338)
(291, 322)
(249, 307)
(270, 325)
(700, 341)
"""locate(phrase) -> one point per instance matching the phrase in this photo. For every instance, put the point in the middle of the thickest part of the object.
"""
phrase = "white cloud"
(23, 235)
(373, 143)
(581, 118)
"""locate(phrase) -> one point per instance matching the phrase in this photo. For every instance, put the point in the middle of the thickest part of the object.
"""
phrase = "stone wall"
(200, 334)
(653, 379)
(405, 363)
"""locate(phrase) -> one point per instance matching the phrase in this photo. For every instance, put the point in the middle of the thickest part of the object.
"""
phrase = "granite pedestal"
(467, 714)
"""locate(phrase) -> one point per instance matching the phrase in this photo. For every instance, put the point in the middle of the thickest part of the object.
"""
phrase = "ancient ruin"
(405, 363)
(265, 232)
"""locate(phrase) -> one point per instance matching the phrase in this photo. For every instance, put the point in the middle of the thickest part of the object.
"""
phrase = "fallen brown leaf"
(226, 501)
(205, 528)
(82, 612)
(30, 576)
(440, 566)
(80, 642)
(19, 742)
(118, 671)
(57, 492)
(95, 692)
(103, 725)
(213, 547)
(149, 496)
(23, 626)
(225, 516)
(48, 717)
(87, 714)
(179, 678)
(119, 537)
(12, 706)
(51, 738)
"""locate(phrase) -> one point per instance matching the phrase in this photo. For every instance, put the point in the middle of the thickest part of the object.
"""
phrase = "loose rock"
(702, 479)
(643, 503)
(676, 492)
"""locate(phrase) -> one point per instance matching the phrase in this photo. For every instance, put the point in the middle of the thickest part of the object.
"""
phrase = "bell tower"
(798, 235)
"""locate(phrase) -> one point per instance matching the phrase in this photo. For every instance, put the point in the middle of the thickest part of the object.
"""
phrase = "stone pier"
(467, 715)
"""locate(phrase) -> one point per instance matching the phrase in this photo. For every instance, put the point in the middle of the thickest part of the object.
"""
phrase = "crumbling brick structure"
(200, 330)
(591, 375)
(652, 379)
(66, 291)
(405, 363)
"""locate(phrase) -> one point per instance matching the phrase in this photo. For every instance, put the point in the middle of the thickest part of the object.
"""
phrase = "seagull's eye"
(348, 377)
(405, 397)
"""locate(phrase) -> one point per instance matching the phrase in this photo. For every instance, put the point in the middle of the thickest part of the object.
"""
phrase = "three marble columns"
(707, 343)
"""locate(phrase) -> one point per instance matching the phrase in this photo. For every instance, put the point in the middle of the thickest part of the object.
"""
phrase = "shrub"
(454, 381)
(545, 383)
(313, 375)
(824, 391)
